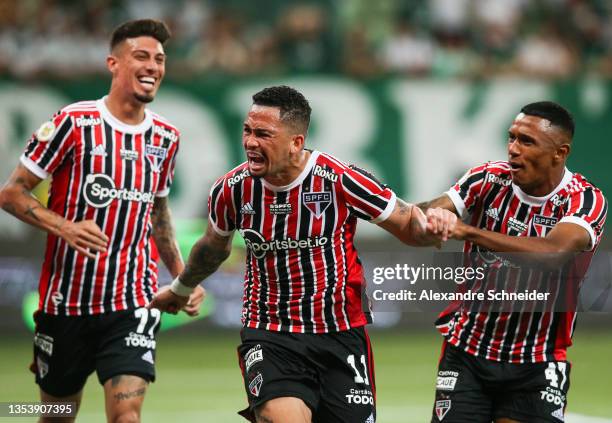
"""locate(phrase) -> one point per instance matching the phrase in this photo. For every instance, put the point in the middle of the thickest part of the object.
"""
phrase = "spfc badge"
(317, 202)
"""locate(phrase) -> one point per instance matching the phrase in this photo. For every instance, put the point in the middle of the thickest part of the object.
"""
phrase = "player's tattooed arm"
(443, 202)
(414, 227)
(16, 198)
(164, 236)
(205, 257)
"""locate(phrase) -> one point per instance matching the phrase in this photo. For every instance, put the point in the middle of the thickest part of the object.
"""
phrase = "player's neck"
(129, 112)
(543, 188)
(291, 172)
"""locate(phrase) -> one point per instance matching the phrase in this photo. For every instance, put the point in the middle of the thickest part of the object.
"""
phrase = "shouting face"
(270, 144)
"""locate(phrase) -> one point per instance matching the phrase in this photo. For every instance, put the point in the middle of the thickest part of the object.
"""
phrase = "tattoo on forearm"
(130, 394)
(9, 208)
(203, 261)
(30, 212)
(403, 207)
(163, 232)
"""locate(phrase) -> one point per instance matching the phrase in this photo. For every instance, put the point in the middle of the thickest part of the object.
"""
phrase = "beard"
(144, 98)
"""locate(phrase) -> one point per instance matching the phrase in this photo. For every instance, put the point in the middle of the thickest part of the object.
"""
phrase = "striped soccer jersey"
(302, 269)
(110, 172)
(487, 195)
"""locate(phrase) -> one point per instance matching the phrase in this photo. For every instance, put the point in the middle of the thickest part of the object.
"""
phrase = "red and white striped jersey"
(302, 269)
(487, 197)
(110, 172)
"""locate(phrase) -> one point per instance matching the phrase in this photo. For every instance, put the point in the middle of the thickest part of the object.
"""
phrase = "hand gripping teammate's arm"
(563, 238)
(16, 198)
(205, 257)
(414, 227)
(165, 240)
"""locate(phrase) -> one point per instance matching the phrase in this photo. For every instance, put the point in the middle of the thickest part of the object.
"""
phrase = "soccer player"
(112, 163)
(511, 366)
(305, 355)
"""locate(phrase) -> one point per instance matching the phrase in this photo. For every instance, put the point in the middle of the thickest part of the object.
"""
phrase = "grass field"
(199, 380)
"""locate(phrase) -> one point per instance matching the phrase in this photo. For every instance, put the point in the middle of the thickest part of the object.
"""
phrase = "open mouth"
(256, 160)
(516, 166)
(148, 82)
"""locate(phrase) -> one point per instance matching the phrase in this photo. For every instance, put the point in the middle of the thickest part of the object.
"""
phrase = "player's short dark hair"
(294, 107)
(553, 112)
(138, 28)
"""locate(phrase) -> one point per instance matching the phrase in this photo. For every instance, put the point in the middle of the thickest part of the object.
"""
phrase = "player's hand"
(168, 301)
(441, 222)
(84, 236)
(192, 308)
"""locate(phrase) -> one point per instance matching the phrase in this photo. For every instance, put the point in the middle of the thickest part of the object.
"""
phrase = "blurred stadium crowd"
(548, 39)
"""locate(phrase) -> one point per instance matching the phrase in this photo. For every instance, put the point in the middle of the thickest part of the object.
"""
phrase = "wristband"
(180, 289)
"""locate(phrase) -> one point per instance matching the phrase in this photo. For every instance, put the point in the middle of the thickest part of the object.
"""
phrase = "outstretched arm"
(413, 227)
(443, 202)
(16, 198)
(165, 240)
(563, 238)
(205, 257)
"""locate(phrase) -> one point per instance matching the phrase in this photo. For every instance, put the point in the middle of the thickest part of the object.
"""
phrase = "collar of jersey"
(538, 201)
(309, 165)
(121, 126)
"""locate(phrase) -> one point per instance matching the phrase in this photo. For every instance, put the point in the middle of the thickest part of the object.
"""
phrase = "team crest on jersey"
(317, 202)
(442, 408)
(45, 132)
(255, 384)
(547, 221)
(42, 367)
(156, 156)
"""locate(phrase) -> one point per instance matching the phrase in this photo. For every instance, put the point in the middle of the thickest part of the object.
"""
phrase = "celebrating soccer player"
(305, 355)
(511, 366)
(111, 162)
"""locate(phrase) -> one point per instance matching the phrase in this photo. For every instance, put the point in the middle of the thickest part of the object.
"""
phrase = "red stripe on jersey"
(295, 273)
(68, 285)
(494, 204)
(319, 266)
(306, 237)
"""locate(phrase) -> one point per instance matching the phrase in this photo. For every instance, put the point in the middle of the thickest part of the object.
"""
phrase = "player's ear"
(111, 63)
(297, 143)
(562, 152)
